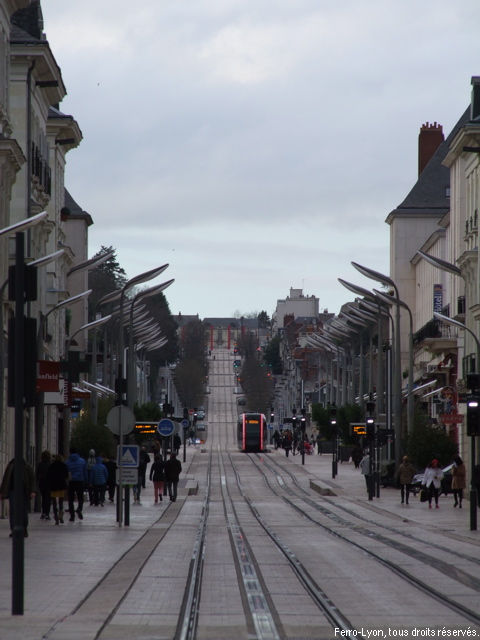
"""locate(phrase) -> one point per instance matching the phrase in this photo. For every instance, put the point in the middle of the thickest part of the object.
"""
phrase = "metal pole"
(18, 533)
(397, 387)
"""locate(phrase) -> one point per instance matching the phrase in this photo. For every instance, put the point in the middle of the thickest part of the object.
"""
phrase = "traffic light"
(333, 416)
(370, 428)
(185, 413)
(473, 416)
(303, 419)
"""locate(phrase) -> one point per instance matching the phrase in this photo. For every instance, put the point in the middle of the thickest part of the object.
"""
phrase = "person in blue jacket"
(97, 478)
(77, 468)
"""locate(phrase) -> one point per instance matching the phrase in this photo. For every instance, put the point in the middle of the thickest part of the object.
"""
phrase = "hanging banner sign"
(48, 376)
(437, 298)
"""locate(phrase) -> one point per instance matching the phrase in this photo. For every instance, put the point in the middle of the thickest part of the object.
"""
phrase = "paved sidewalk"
(63, 564)
(349, 482)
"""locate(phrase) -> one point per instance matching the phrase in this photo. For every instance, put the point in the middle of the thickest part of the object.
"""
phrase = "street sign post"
(166, 427)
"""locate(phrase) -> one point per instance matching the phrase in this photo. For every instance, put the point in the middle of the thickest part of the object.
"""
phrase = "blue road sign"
(165, 427)
(185, 423)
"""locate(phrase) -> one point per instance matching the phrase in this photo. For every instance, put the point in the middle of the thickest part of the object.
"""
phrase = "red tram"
(252, 432)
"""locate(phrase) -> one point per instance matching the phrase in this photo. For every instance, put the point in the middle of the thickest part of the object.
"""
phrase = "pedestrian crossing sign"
(128, 455)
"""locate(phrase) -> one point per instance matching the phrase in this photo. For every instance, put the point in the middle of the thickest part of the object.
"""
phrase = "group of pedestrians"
(432, 481)
(165, 475)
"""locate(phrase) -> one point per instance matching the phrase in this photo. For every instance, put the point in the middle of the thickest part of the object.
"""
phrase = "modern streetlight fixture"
(399, 303)
(397, 382)
(26, 223)
(148, 293)
(136, 280)
(91, 263)
(473, 454)
(440, 263)
(19, 282)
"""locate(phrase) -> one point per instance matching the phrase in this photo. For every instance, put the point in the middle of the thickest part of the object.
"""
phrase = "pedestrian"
(144, 459)
(97, 479)
(112, 477)
(459, 473)
(57, 476)
(77, 468)
(357, 455)
(7, 491)
(172, 473)
(404, 477)
(177, 441)
(157, 476)
(476, 481)
(91, 462)
(276, 438)
(42, 484)
(319, 444)
(432, 480)
(366, 471)
(287, 442)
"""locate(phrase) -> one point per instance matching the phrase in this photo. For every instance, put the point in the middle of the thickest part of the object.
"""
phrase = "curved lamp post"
(473, 488)
(399, 303)
(397, 373)
(131, 385)
(139, 279)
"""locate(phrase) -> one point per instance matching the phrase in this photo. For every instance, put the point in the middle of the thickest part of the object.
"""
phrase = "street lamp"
(152, 291)
(399, 303)
(94, 262)
(139, 279)
(19, 285)
(397, 382)
(441, 264)
(373, 299)
(473, 488)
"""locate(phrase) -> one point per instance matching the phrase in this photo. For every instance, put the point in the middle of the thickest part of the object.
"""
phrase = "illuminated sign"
(360, 429)
(146, 428)
(252, 421)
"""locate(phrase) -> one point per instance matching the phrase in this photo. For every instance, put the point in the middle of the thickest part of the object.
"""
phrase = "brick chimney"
(429, 139)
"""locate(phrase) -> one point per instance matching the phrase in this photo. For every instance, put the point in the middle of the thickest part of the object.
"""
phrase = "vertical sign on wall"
(437, 298)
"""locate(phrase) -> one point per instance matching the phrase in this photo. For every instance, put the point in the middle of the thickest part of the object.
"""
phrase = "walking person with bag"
(432, 480)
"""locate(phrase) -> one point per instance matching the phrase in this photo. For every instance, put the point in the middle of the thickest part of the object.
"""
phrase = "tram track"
(444, 568)
(408, 536)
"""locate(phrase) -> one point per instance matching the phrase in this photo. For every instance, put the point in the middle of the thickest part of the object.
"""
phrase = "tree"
(107, 277)
(427, 442)
(263, 320)
(87, 435)
(257, 385)
(189, 382)
(272, 355)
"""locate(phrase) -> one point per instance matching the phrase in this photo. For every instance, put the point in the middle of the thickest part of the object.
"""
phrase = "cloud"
(255, 145)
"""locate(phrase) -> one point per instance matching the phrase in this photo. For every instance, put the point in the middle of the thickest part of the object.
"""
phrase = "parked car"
(200, 413)
(201, 426)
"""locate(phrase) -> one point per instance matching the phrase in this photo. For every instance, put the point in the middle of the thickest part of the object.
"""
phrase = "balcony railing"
(41, 170)
(434, 329)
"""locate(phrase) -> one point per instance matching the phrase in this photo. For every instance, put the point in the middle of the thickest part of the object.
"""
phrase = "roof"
(430, 194)
(235, 323)
(72, 210)
(27, 24)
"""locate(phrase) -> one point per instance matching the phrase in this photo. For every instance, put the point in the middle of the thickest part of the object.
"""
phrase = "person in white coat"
(432, 479)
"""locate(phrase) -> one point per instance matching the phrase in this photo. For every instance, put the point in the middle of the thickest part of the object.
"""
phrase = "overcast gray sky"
(255, 145)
